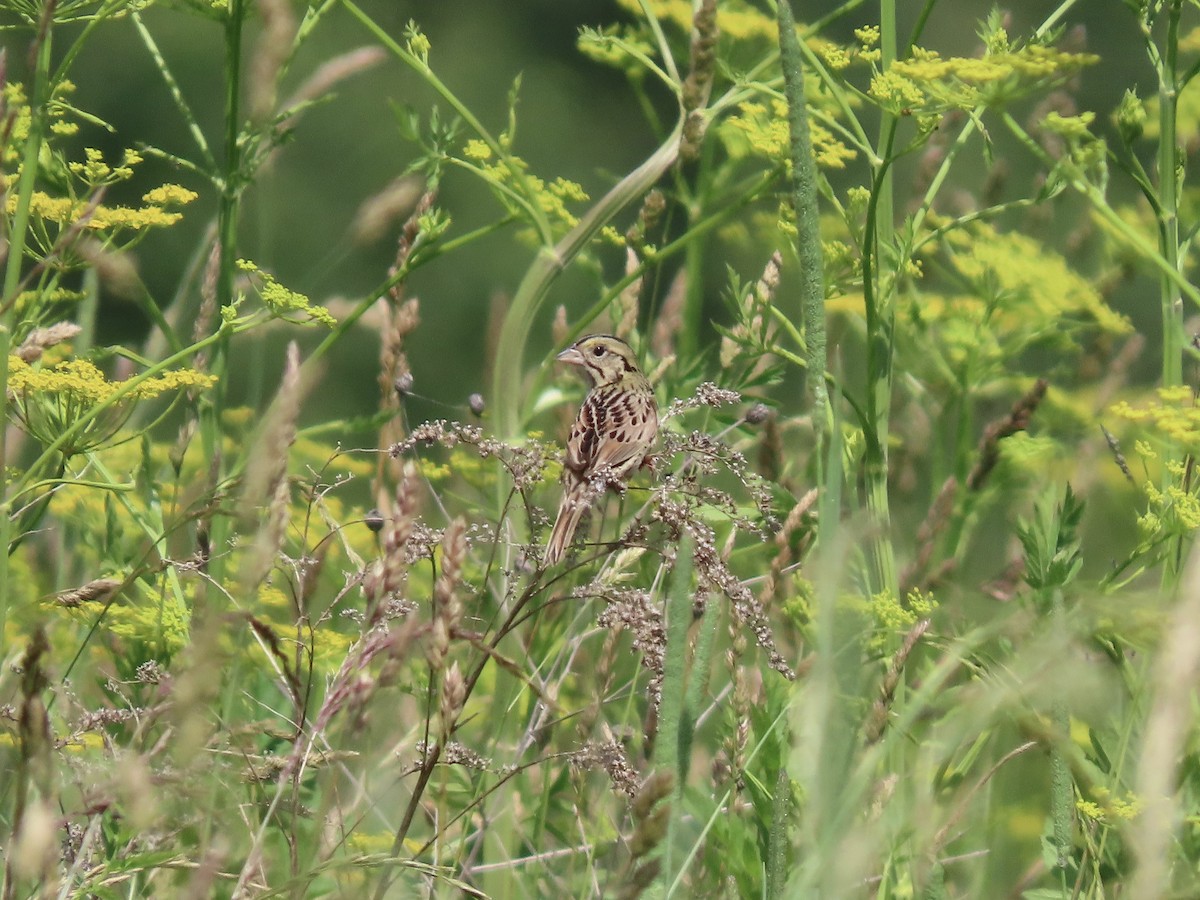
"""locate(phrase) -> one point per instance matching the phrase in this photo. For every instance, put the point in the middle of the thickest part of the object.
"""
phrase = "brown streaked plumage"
(615, 429)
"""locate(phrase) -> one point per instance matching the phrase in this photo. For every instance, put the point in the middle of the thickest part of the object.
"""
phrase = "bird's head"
(605, 359)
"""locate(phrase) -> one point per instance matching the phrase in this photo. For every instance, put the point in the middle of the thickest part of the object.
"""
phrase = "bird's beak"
(572, 356)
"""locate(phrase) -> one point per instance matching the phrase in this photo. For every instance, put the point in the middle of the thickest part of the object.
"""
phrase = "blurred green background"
(577, 119)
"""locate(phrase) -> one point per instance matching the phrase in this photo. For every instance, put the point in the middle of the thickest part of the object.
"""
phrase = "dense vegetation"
(907, 605)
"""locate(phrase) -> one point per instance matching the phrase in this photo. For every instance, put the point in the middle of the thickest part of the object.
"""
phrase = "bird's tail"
(569, 513)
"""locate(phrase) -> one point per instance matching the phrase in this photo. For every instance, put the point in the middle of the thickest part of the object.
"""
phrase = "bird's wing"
(613, 429)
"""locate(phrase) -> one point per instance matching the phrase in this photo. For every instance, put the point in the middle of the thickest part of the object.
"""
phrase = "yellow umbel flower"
(74, 394)
(928, 84)
(762, 132)
(284, 302)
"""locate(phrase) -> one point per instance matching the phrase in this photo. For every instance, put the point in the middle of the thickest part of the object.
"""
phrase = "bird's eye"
(599, 351)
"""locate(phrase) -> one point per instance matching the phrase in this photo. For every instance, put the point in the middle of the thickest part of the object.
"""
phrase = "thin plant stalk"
(29, 161)
(5, 512)
(880, 312)
(1168, 232)
(808, 221)
(675, 718)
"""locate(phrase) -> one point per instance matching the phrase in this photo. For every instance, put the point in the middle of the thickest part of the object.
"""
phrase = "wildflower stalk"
(5, 345)
(808, 222)
(26, 183)
(1168, 231)
(675, 720)
(880, 315)
(1168, 206)
(1062, 787)
(230, 188)
(777, 842)
(29, 161)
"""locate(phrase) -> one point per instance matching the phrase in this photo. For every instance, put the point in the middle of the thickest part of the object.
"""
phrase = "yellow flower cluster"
(416, 41)
(150, 616)
(284, 302)
(1172, 510)
(510, 173)
(928, 83)
(1021, 294)
(1105, 808)
(95, 171)
(892, 615)
(17, 105)
(616, 45)
(1038, 280)
(1174, 418)
(50, 400)
(736, 19)
(763, 132)
(76, 206)
(67, 211)
(80, 380)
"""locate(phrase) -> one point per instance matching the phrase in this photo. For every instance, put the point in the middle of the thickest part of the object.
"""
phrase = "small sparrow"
(615, 429)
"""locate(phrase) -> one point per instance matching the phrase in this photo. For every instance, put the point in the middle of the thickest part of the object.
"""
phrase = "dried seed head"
(454, 552)
(670, 317)
(207, 312)
(757, 414)
(273, 47)
(454, 694)
(648, 218)
(150, 672)
(378, 212)
(627, 301)
(117, 270)
(42, 339)
(650, 832)
(636, 611)
(388, 578)
(559, 329)
(439, 644)
(99, 589)
(337, 69)
(183, 440)
(657, 787)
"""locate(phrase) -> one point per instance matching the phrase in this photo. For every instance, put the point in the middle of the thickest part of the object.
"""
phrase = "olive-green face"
(605, 359)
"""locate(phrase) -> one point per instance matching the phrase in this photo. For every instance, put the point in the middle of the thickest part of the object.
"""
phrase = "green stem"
(1168, 217)
(880, 315)
(808, 217)
(5, 511)
(227, 211)
(1170, 297)
(1062, 790)
(26, 183)
(675, 720)
(29, 161)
